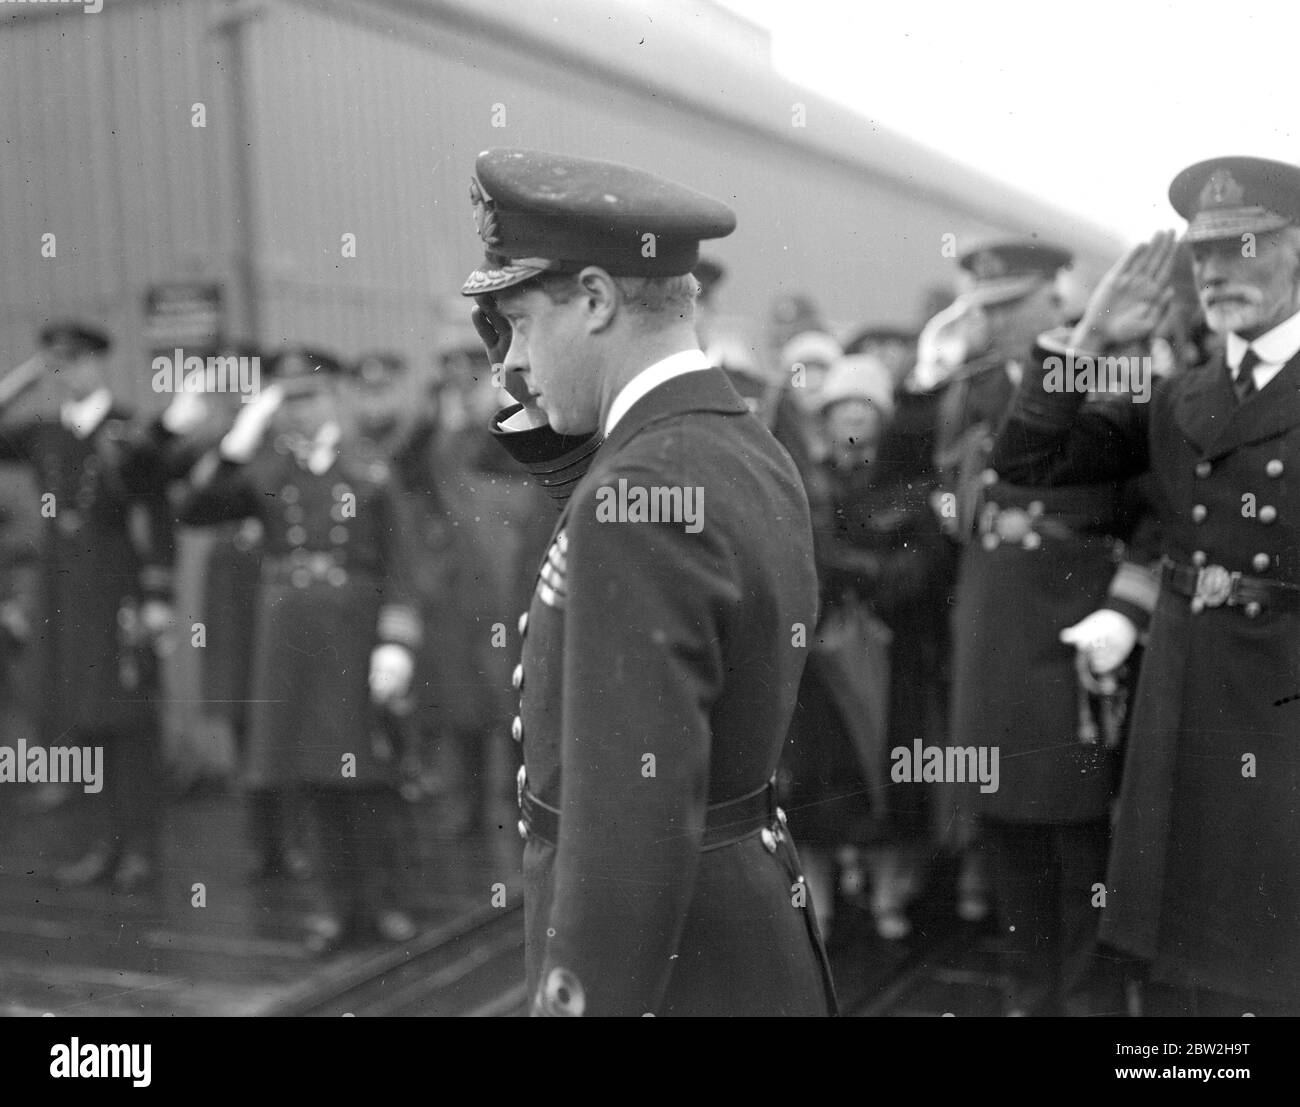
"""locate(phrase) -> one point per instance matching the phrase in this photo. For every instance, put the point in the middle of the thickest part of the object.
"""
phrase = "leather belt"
(724, 823)
(1215, 586)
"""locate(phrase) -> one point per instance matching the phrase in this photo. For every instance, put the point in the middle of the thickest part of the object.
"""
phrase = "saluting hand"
(1131, 299)
(494, 331)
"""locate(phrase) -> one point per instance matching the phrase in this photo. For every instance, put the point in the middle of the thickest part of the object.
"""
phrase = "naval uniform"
(108, 547)
(1202, 882)
(336, 572)
(657, 681)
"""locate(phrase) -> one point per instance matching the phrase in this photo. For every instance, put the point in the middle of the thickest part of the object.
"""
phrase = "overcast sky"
(1092, 105)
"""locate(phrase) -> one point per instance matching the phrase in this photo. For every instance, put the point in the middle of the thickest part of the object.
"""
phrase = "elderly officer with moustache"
(660, 658)
(1203, 882)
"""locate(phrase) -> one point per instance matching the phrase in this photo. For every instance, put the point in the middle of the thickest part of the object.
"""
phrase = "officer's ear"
(600, 298)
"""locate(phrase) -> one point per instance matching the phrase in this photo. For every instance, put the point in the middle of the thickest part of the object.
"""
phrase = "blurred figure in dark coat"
(105, 583)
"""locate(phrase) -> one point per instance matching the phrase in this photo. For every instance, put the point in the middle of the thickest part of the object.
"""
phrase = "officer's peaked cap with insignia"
(1229, 197)
(302, 363)
(1007, 269)
(378, 367)
(81, 337)
(539, 212)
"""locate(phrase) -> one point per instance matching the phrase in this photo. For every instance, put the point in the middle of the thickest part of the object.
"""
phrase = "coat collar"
(1209, 414)
(706, 390)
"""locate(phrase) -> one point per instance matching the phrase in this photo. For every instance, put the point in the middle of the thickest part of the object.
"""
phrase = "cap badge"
(1222, 190)
(485, 214)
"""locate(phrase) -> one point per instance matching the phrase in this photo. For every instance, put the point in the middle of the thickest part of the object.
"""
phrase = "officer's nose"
(516, 360)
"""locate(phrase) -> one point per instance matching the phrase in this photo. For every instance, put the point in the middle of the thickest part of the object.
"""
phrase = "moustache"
(1213, 295)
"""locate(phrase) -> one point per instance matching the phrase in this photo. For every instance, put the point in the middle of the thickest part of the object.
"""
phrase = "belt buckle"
(1214, 586)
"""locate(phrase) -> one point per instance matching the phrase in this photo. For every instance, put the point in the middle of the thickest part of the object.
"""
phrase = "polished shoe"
(326, 933)
(96, 865)
(285, 864)
(134, 871)
(892, 924)
(395, 926)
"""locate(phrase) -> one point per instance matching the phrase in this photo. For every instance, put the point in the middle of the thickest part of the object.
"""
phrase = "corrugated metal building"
(362, 117)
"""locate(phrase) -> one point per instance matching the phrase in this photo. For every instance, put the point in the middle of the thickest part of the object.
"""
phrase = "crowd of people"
(991, 556)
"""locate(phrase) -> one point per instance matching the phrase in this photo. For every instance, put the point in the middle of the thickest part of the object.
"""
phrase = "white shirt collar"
(651, 377)
(83, 417)
(1274, 349)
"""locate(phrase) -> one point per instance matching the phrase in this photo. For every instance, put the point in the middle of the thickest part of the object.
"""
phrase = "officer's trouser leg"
(130, 805)
(1092, 980)
(386, 845)
(1023, 875)
(334, 811)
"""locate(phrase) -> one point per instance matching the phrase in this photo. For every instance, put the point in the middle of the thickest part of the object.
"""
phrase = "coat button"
(337, 576)
(296, 535)
(1267, 513)
(1198, 513)
(1032, 541)
(338, 534)
(289, 493)
(989, 476)
(1198, 558)
(1253, 609)
(1260, 562)
(769, 840)
(517, 729)
(517, 677)
(522, 827)
(1274, 468)
(1203, 468)
(523, 623)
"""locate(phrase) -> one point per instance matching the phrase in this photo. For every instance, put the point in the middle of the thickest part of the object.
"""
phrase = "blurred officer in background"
(658, 677)
(459, 703)
(335, 605)
(1202, 882)
(1040, 556)
(106, 588)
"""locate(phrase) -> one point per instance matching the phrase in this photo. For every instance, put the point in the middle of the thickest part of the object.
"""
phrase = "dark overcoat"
(1203, 878)
(108, 544)
(658, 675)
(336, 571)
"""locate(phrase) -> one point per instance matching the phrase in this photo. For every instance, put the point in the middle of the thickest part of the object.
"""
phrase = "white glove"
(1106, 637)
(243, 439)
(947, 341)
(186, 413)
(391, 667)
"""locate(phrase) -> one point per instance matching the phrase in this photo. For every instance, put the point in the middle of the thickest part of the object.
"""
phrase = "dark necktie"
(1244, 382)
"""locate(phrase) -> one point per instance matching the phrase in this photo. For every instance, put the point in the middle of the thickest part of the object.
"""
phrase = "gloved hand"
(948, 341)
(391, 667)
(1105, 637)
(157, 619)
(186, 413)
(243, 439)
(496, 335)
